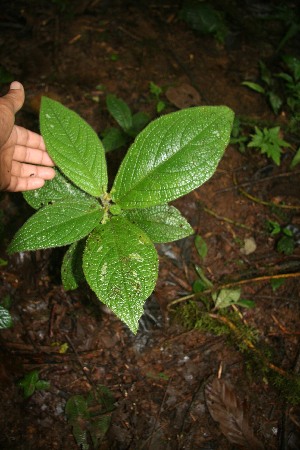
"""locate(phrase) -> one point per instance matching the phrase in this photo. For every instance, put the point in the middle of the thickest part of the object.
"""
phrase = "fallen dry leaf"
(183, 96)
(231, 414)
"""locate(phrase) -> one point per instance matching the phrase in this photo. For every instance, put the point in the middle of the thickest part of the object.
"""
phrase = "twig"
(263, 202)
(261, 180)
(226, 219)
(198, 295)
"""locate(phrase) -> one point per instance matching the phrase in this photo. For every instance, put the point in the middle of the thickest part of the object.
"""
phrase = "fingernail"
(16, 85)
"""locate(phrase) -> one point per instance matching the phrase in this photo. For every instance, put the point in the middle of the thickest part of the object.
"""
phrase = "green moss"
(257, 358)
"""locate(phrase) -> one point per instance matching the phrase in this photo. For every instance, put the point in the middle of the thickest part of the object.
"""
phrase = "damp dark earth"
(215, 363)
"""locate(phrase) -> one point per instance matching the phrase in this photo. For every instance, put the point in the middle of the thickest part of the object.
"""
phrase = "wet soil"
(77, 54)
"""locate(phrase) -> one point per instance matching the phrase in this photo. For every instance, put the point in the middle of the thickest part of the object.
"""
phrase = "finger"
(32, 156)
(14, 99)
(28, 138)
(22, 170)
(19, 184)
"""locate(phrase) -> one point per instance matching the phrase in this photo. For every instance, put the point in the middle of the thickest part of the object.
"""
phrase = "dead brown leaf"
(231, 414)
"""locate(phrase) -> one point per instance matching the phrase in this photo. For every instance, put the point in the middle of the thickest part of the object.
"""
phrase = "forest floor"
(194, 377)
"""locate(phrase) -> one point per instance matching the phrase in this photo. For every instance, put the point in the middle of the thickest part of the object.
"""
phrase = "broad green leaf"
(5, 318)
(226, 297)
(31, 382)
(120, 111)
(76, 407)
(161, 223)
(58, 188)
(74, 147)
(120, 264)
(114, 138)
(173, 155)
(71, 269)
(56, 225)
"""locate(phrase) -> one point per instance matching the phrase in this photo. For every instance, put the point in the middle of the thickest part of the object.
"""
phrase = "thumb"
(15, 96)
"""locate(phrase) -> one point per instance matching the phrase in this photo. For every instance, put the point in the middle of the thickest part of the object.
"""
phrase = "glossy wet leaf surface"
(173, 155)
(56, 225)
(161, 223)
(74, 147)
(58, 188)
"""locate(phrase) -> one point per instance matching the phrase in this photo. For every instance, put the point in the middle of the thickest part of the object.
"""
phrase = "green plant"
(111, 235)
(285, 94)
(204, 18)
(131, 124)
(286, 242)
(237, 136)
(157, 91)
(90, 416)
(31, 383)
(267, 87)
(268, 140)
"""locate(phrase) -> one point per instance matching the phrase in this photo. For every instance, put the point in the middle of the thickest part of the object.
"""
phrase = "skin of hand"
(24, 161)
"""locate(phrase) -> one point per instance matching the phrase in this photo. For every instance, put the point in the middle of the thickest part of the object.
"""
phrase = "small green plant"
(284, 94)
(286, 241)
(157, 91)
(218, 299)
(31, 383)
(90, 416)
(267, 87)
(269, 142)
(204, 18)
(237, 136)
(112, 234)
(131, 124)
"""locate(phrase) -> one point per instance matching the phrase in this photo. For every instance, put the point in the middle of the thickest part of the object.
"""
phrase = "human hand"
(24, 161)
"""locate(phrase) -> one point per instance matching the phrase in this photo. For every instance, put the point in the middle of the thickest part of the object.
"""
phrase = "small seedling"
(286, 242)
(131, 124)
(31, 383)
(112, 234)
(222, 298)
(90, 416)
(157, 91)
(271, 88)
(268, 141)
